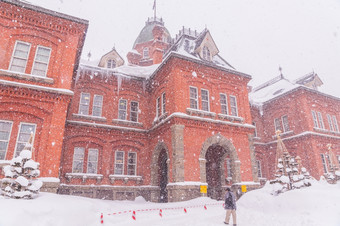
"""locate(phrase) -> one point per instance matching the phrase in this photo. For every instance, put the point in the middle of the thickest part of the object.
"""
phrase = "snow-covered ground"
(318, 205)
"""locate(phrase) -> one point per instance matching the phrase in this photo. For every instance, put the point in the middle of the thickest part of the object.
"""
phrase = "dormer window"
(146, 52)
(111, 64)
(206, 53)
(186, 45)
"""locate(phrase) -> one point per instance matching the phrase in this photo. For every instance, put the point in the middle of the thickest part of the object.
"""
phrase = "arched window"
(146, 52)
(206, 53)
(111, 64)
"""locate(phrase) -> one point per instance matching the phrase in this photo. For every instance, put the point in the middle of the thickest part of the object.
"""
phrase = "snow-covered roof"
(126, 70)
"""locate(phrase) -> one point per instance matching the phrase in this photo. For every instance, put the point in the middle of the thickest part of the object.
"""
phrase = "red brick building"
(39, 52)
(162, 130)
(307, 117)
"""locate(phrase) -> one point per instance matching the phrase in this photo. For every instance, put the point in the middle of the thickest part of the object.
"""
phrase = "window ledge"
(128, 123)
(231, 117)
(326, 131)
(90, 117)
(160, 118)
(25, 76)
(84, 176)
(191, 111)
(290, 132)
(257, 138)
(5, 162)
(125, 178)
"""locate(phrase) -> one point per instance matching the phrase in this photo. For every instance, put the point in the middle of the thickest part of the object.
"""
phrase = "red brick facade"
(39, 51)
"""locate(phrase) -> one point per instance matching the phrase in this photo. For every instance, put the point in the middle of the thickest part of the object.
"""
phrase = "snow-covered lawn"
(318, 205)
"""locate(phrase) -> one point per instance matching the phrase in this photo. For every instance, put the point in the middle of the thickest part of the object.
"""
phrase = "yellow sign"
(204, 189)
(243, 188)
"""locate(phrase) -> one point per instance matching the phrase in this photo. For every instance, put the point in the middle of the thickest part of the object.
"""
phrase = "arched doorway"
(214, 171)
(163, 175)
(216, 155)
(159, 171)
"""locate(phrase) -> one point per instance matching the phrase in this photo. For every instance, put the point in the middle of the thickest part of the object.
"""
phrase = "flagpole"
(154, 9)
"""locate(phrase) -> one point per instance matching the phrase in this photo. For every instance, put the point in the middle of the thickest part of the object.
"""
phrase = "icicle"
(119, 82)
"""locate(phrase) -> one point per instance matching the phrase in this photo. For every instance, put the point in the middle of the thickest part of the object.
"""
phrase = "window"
(41, 60)
(205, 99)
(233, 106)
(324, 163)
(315, 120)
(122, 109)
(224, 103)
(285, 123)
(163, 103)
(322, 126)
(277, 124)
(97, 105)
(5, 132)
(335, 123)
(193, 98)
(132, 163)
(84, 103)
(255, 131)
(78, 160)
(206, 53)
(111, 64)
(158, 107)
(92, 161)
(146, 52)
(259, 169)
(119, 163)
(20, 56)
(229, 173)
(186, 45)
(330, 122)
(25, 131)
(134, 111)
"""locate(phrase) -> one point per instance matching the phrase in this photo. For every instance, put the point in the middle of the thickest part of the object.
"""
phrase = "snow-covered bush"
(20, 176)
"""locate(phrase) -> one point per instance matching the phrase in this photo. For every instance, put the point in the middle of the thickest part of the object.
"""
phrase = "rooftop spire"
(154, 8)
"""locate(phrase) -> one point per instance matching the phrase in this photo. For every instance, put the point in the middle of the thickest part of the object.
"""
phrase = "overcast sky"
(254, 36)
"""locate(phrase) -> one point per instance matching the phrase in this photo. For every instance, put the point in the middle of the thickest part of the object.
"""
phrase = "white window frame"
(111, 65)
(115, 169)
(322, 125)
(259, 169)
(35, 60)
(28, 53)
(131, 164)
(84, 104)
(285, 126)
(17, 141)
(192, 98)
(163, 103)
(80, 160)
(224, 105)
(146, 54)
(205, 101)
(231, 107)
(95, 163)
(206, 53)
(158, 107)
(96, 105)
(335, 124)
(330, 122)
(315, 119)
(122, 110)
(9, 137)
(131, 111)
(324, 163)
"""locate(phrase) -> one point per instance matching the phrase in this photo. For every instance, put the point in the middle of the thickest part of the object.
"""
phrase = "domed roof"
(146, 33)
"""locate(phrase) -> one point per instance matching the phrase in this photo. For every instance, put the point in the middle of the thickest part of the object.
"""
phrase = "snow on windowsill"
(326, 131)
(200, 112)
(84, 176)
(231, 117)
(186, 183)
(126, 122)
(247, 183)
(25, 76)
(90, 117)
(290, 132)
(49, 179)
(125, 178)
(4, 162)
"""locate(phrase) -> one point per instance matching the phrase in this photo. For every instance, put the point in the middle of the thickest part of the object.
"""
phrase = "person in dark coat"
(230, 206)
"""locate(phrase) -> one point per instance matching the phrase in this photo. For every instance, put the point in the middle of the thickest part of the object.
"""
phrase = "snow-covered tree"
(21, 175)
(290, 174)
